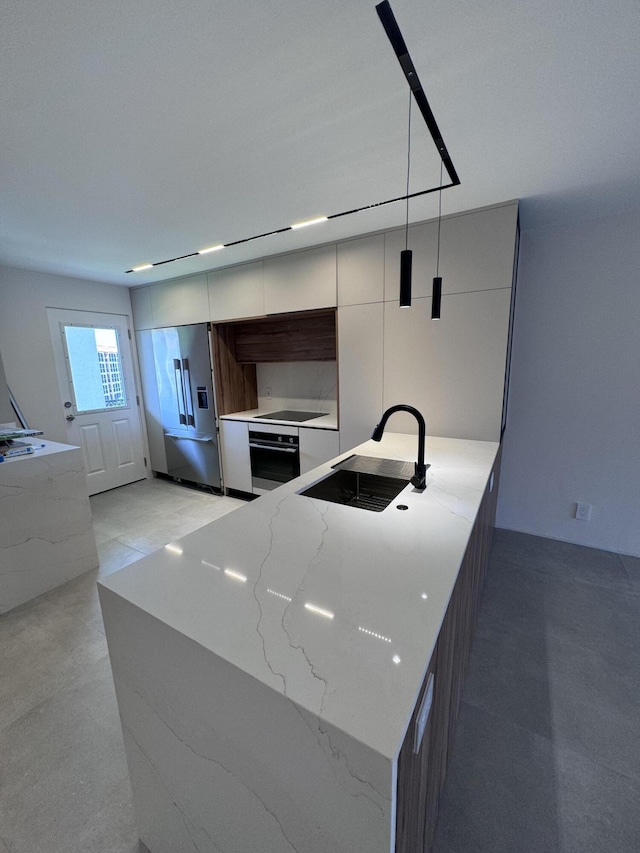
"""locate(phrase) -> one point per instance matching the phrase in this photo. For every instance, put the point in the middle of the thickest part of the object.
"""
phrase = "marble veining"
(46, 536)
(295, 635)
(210, 752)
(300, 559)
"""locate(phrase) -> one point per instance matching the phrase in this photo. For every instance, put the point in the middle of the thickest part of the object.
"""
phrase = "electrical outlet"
(583, 511)
(267, 392)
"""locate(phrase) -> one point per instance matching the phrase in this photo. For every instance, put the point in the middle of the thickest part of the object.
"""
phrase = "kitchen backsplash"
(307, 385)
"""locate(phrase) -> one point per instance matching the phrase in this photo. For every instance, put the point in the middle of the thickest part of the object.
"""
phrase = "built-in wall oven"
(275, 457)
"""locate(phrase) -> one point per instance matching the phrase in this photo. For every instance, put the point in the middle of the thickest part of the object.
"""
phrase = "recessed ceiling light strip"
(289, 227)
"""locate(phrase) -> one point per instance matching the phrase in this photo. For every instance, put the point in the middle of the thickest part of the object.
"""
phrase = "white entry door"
(95, 373)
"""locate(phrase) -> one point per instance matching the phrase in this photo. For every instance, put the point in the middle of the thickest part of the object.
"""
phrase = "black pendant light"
(406, 256)
(436, 290)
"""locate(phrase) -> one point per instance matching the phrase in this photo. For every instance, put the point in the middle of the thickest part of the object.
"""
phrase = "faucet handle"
(418, 480)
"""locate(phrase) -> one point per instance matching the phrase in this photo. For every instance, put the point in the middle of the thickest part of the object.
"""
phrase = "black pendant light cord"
(439, 220)
(406, 255)
(406, 230)
(436, 292)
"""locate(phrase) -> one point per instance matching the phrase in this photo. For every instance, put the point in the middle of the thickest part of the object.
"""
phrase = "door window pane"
(95, 367)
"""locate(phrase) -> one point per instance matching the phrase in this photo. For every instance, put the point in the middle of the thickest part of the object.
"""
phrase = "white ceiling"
(138, 130)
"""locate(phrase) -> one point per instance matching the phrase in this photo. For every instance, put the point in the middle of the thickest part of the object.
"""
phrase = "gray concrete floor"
(547, 750)
(547, 753)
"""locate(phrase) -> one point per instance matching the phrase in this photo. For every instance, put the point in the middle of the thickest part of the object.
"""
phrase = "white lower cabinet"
(236, 463)
(317, 446)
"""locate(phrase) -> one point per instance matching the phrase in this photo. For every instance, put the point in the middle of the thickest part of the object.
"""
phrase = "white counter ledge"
(297, 619)
(328, 421)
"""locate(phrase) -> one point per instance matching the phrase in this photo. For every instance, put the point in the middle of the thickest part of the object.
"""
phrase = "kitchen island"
(288, 676)
(46, 536)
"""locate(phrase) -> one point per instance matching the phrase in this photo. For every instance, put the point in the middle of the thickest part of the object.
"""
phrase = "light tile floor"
(64, 785)
(547, 753)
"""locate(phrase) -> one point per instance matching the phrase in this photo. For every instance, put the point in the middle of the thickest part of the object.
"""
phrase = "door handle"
(71, 417)
(177, 370)
(188, 437)
(187, 392)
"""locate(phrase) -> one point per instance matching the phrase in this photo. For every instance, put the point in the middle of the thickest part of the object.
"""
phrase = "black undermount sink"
(353, 488)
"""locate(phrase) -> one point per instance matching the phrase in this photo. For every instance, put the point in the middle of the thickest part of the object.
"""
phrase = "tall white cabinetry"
(452, 369)
(360, 337)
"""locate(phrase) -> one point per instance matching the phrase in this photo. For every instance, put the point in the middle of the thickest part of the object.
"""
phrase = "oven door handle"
(276, 447)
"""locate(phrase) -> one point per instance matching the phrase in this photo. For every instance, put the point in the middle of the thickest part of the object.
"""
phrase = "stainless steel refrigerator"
(182, 361)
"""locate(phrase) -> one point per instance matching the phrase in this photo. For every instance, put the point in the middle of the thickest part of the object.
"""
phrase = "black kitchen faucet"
(420, 469)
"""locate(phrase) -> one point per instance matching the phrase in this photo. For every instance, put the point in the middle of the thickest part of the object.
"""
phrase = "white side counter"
(46, 537)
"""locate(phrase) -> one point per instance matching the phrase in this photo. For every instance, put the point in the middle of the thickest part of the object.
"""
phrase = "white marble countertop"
(42, 448)
(325, 422)
(338, 609)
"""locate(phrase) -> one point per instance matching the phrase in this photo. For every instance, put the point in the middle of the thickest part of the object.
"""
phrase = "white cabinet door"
(141, 307)
(476, 252)
(452, 369)
(317, 446)
(300, 281)
(236, 292)
(361, 270)
(236, 464)
(477, 249)
(180, 302)
(360, 363)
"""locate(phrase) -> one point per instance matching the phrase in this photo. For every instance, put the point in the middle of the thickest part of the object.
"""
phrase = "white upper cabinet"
(180, 302)
(236, 292)
(361, 270)
(477, 249)
(141, 306)
(300, 281)
(476, 252)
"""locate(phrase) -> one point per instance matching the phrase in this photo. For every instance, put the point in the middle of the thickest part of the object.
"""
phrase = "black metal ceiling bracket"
(391, 28)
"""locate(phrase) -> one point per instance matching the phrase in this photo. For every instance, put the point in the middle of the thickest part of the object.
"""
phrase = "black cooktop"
(290, 415)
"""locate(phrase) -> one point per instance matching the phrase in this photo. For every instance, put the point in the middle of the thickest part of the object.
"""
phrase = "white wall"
(307, 385)
(25, 340)
(573, 431)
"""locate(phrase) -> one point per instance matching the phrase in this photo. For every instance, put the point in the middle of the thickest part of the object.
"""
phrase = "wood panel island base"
(271, 667)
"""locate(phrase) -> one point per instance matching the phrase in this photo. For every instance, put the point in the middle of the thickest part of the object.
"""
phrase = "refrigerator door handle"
(191, 421)
(188, 438)
(179, 390)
